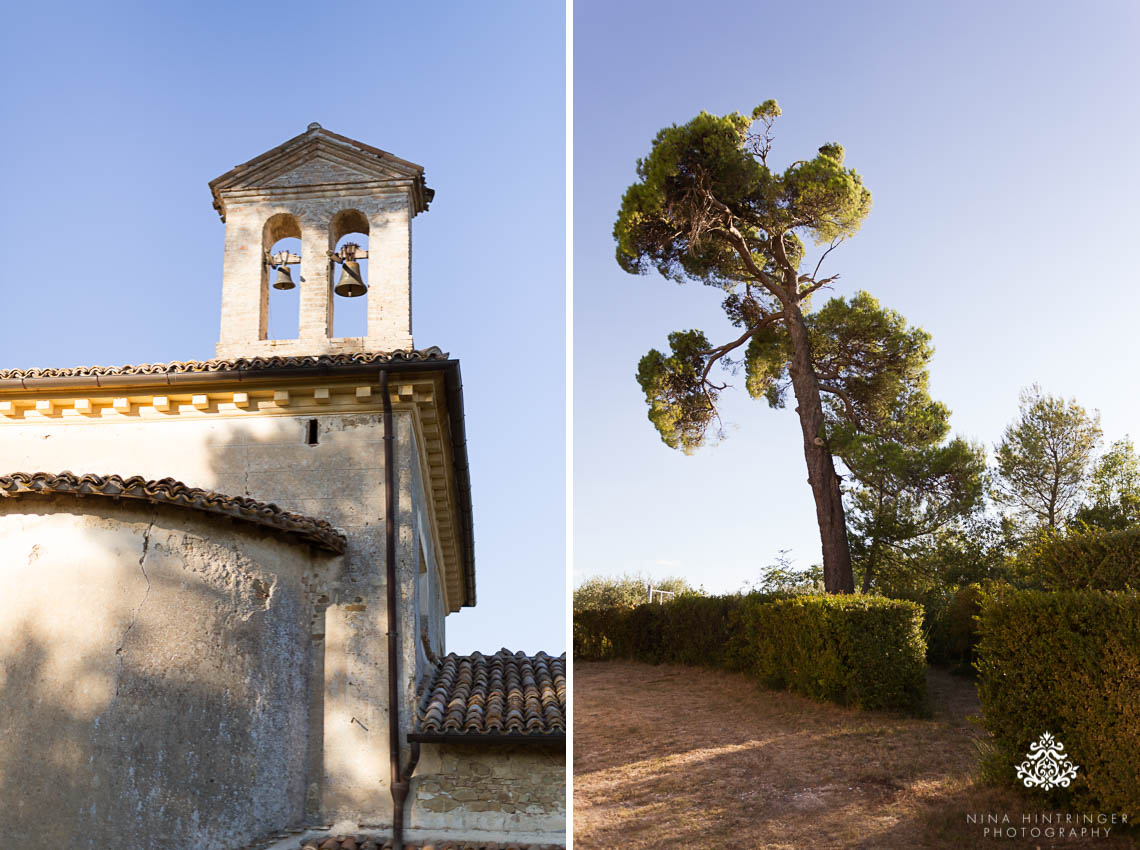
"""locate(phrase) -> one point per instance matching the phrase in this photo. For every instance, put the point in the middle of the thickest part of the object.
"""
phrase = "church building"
(226, 582)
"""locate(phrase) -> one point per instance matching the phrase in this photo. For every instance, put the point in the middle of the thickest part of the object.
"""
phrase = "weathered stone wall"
(325, 186)
(245, 277)
(497, 788)
(341, 479)
(155, 668)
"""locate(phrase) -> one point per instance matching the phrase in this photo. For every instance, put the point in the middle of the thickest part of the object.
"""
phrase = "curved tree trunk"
(837, 575)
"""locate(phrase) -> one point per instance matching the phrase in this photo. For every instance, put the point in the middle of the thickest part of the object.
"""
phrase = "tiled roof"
(171, 492)
(351, 842)
(240, 364)
(484, 697)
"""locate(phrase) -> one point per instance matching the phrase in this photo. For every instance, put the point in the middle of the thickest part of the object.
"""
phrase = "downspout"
(398, 779)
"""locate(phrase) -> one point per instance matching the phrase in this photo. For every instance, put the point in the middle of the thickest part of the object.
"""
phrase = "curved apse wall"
(154, 675)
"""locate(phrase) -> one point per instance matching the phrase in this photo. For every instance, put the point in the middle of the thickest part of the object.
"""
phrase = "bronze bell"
(351, 284)
(284, 278)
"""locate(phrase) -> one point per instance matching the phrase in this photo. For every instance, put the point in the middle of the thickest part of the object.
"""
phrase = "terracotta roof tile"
(489, 696)
(170, 492)
(243, 364)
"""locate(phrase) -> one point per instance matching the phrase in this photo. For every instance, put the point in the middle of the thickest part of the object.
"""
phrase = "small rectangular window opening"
(311, 433)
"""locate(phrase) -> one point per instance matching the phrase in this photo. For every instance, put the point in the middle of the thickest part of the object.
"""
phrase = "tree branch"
(721, 350)
(741, 244)
(835, 243)
(777, 243)
(819, 284)
(849, 405)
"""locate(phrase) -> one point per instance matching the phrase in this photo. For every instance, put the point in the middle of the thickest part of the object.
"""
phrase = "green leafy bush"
(862, 651)
(1083, 560)
(695, 629)
(599, 632)
(624, 591)
(1067, 663)
(949, 622)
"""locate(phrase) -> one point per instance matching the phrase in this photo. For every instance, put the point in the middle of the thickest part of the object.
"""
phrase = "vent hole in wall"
(311, 432)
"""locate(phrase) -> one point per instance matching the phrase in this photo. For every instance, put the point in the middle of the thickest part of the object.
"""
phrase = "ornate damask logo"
(1047, 765)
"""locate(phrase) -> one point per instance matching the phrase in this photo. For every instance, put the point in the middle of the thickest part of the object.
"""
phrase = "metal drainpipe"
(399, 779)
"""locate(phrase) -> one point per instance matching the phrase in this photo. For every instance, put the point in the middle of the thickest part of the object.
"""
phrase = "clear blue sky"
(116, 115)
(1000, 143)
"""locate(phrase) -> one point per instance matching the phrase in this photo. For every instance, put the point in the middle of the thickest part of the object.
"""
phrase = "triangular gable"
(320, 157)
(319, 170)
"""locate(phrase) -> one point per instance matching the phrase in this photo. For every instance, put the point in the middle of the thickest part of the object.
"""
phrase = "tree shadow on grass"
(678, 756)
(975, 815)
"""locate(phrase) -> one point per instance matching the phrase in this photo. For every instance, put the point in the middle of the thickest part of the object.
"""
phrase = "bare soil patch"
(681, 757)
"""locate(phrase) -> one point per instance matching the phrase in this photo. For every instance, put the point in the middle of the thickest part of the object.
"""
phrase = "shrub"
(1084, 560)
(602, 634)
(625, 591)
(936, 625)
(1067, 663)
(949, 622)
(695, 630)
(866, 652)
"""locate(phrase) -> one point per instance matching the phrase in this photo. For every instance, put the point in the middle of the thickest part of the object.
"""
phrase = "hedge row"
(861, 651)
(1077, 560)
(1067, 663)
(1092, 560)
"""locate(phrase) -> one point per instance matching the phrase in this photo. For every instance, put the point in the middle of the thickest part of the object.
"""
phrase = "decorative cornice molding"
(167, 491)
(249, 387)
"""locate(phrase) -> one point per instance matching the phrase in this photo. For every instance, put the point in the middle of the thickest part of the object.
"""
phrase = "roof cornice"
(189, 371)
(203, 373)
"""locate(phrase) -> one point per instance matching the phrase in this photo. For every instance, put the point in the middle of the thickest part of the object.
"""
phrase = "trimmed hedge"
(696, 629)
(1067, 663)
(862, 651)
(1090, 560)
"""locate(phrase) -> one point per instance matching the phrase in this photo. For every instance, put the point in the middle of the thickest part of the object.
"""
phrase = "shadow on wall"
(331, 467)
(42, 750)
(325, 467)
(150, 690)
(172, 704)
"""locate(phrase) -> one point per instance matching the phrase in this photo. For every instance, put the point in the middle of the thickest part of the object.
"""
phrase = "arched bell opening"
(348, 246)
(281, 277)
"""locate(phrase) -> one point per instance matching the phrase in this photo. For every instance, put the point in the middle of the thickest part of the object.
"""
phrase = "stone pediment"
(317, 161)
(323, 170)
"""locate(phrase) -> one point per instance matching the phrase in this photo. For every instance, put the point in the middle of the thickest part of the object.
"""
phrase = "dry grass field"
(680, 757)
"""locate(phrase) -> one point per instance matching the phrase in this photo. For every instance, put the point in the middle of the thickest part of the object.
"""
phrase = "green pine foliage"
(1113, 497)
(1044, 459)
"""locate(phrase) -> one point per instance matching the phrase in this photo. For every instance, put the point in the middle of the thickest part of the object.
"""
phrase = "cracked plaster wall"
(341, 479)
(154, 676)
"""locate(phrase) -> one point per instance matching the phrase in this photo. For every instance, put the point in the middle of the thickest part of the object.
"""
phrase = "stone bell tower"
(317, 187)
